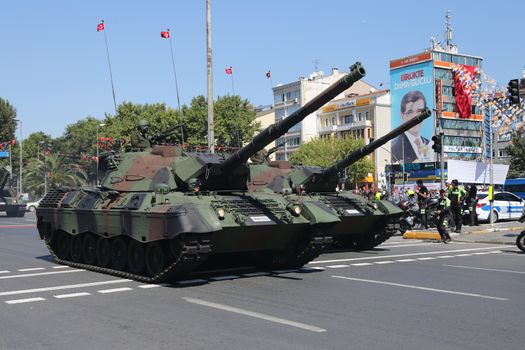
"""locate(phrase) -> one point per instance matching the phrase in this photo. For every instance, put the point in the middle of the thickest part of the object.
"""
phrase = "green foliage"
(233, 118)
(516, 150)
(7, 121)
(60, 172)
(326, 152)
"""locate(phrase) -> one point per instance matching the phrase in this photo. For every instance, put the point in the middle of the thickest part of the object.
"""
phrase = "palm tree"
(59, 173)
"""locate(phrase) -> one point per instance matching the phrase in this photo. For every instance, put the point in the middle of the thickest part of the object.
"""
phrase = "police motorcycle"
(520, 240)
(410, 218)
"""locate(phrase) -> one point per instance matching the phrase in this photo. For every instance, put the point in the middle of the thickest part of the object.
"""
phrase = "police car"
(507, 206)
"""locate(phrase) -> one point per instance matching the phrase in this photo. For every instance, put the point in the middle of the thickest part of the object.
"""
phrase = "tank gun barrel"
(372, 146)
(274, 131)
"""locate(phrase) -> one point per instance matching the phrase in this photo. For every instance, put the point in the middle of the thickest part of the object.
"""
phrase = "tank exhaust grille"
(53, 198)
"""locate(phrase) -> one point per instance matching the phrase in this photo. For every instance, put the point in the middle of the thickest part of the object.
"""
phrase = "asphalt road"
(406, 294)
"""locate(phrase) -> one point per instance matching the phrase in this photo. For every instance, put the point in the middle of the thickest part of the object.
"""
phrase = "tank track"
(305, 252)
(192, 255)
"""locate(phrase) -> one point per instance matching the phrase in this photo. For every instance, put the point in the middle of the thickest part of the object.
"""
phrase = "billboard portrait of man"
(412, 91)
(411, 145)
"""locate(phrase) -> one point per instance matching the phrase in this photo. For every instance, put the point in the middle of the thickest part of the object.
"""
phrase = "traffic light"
(514, 92)
(437, 144)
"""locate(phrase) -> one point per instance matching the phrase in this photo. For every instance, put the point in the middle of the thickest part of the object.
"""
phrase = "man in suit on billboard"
(411, 146)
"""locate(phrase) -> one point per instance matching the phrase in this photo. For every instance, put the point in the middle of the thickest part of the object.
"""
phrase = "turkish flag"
(100, 26)
(463, 77)
(229, 70)
(268, 74)
(165, 35)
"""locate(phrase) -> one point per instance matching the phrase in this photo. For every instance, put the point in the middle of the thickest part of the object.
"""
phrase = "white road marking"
(195, 281)
(38, 274)
(405, 245)
(72, 295)
(255, 315)
(337, 266)
(114, 290)
(148, 286)
(32, 269)
(384, 262)
(406, 260)
(4, 271)
(20, 301)
(422, 288)
(255, 274)
(70, 286)
(445, 256)
(223, 278)
(485, 269)
(402, 255)
(61, 267)
(278, 272)
(362, 264)
(426, 258)
(463, 255)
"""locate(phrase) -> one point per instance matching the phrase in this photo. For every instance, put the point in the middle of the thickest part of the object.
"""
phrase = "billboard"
(412, 89)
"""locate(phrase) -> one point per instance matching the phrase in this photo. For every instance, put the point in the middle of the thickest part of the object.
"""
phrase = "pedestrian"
(422, 196)
(443, 212)
(456, 194)
(472, 201)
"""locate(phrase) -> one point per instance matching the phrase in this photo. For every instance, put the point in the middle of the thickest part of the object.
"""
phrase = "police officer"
(443, 212)
(472, 201)
(456, 194)
(422, 195)
(139, 138)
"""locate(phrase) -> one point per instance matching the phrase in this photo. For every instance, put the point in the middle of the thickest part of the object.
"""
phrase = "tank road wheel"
(157, 258)
(136, 257)
(89, 249)
(103, 252)
(62, 245)
(119, 256)
(76, 248)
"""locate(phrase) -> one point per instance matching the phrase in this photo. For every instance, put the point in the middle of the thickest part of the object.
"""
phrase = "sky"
(54, 68)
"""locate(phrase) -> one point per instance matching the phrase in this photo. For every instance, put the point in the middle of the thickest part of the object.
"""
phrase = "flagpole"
(174, 73)
(211, 134)
(110, 72)
(233, 88)
(176, 87)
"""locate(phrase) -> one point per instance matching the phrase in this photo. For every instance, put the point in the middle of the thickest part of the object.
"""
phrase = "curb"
(485, 242)
(421, 235)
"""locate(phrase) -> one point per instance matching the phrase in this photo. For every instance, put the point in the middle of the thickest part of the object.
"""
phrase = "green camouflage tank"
(160, 213)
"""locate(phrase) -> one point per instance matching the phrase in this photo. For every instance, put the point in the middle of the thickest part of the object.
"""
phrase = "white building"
(288, 98)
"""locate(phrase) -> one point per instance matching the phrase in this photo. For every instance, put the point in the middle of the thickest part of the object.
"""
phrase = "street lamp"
(44, 149)
(98, 126)
(20, 171)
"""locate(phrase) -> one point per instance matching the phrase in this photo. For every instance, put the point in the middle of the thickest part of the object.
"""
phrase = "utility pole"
(211, 134)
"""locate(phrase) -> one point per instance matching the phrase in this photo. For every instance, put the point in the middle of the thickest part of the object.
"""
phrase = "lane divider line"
(255, 315)
(422, 288)
(384, 262)
(402, 255)
(426, 258)
(39, 274)
(4, 271)
(32, 269)
(70, 286)
(362, 264)
(114, 290)
(72, 295)
(405, 260)
(485, 269)
(337, 266)
(20, 301)
(61, 267)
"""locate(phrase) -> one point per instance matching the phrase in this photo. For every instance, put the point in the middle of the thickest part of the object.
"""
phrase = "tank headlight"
(220, 213)
(15, 201)
(375, 205)
(297, 210)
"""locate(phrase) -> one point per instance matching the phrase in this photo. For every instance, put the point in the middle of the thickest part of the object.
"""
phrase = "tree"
(516, 150)
(234, 121)
(325, 152)
(59, 171)
(7, 120)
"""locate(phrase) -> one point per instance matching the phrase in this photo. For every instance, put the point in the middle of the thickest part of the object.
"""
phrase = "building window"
(359, 117)
(367, 115)
(333, 121)
(349, 119)
(368, 132)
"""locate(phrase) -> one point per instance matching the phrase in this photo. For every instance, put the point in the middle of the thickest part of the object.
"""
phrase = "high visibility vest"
(378, 195)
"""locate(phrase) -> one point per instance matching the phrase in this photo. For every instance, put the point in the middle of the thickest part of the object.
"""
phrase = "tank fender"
(319, 213)
(388, 207)
(190, 218)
